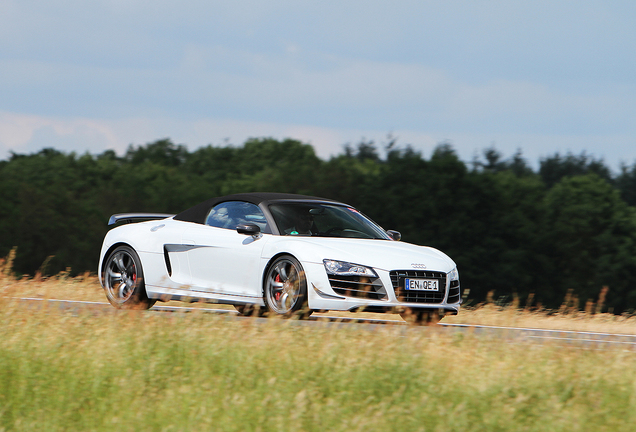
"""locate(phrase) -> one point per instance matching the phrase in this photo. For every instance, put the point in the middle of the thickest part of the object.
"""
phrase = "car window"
(324, 220)
(231, 214)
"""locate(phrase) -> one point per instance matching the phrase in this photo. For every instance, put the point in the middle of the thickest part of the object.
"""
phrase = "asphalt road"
(588, 340)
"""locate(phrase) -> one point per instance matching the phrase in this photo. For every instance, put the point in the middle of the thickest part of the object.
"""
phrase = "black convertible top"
(198, 213)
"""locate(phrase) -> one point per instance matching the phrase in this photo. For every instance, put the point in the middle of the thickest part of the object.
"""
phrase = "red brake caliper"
(278, 293)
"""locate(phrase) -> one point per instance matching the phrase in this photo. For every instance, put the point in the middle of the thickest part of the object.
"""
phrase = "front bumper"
(384, 294)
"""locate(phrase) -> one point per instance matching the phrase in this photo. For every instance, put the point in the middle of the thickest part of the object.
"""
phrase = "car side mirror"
(395, 235)
(248, 229)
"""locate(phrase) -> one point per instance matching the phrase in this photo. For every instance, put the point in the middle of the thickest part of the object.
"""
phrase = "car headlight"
(342, 268)
(453, 274)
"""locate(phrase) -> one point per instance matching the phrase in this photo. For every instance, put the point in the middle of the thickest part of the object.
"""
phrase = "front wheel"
(285, 288)
(123, 280)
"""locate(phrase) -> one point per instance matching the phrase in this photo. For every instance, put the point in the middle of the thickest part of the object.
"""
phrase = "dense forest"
(568, 227)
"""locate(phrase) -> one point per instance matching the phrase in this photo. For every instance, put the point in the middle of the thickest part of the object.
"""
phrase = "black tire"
(423, 317)
(123, 280)
(285, 288)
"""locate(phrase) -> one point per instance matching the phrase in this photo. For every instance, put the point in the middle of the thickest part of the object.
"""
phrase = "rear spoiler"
(132, 217)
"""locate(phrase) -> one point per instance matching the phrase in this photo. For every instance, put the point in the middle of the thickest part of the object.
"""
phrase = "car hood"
(381, 254)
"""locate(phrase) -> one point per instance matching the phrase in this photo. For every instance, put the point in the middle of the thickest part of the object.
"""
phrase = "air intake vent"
(453, 292)
(358, 286)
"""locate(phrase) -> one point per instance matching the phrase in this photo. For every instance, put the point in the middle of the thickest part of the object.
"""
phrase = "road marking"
(537, 330)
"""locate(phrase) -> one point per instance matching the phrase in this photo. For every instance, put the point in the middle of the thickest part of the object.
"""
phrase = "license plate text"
(422, 284)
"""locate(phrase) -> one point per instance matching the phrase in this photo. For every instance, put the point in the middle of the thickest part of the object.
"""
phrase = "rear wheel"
(123, 280)
(285, 288)
(421, 316)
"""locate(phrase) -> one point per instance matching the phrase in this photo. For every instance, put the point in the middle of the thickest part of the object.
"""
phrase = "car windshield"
(324, 220)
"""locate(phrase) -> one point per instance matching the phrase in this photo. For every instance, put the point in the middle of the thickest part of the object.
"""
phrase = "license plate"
(421, 284)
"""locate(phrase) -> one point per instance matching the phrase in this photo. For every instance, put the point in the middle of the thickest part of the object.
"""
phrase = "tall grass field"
(88, 370)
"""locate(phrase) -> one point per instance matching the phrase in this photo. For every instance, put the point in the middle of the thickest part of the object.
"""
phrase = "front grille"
(410, 296)
(453, 292)
(358, 286)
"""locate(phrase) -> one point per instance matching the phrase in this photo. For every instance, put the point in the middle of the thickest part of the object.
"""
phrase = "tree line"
(567, 229)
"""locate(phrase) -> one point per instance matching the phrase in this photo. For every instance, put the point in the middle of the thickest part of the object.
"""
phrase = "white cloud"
(27, 134)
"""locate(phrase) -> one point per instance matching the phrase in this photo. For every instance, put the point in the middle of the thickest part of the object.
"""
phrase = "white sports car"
(275, 253)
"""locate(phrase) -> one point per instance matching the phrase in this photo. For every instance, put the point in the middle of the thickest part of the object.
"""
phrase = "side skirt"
(167, 294)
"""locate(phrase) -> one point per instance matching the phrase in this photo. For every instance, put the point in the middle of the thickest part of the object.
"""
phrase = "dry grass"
(87, 288)
(491, 315)
(131, 370)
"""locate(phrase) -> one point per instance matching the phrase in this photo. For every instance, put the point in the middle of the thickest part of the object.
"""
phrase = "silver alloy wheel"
(122, 276)
(285, 286)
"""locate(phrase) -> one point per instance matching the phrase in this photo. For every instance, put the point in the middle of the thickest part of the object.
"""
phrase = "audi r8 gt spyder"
(277, 254)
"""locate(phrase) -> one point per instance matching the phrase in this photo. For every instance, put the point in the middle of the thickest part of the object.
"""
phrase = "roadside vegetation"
(106, 369)
(568, 316)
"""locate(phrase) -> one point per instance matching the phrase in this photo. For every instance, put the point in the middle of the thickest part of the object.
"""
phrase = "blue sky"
(540, 76)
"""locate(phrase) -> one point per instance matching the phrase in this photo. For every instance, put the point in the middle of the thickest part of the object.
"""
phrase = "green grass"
(138, 371)
(188, 372)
